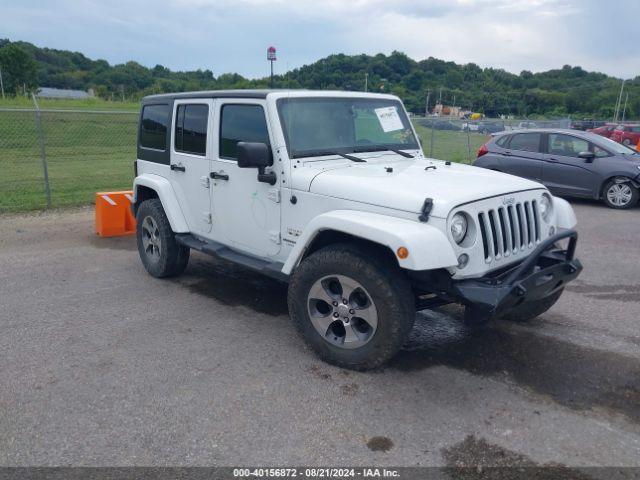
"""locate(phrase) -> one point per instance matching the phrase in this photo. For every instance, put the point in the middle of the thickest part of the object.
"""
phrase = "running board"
(215, 249)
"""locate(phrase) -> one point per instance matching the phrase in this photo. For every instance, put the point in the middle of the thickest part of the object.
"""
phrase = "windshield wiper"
(321, 153)
(384, 149)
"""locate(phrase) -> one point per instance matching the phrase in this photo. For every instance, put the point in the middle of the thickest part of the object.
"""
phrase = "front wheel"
(161, 255)
(620, 195)
(354, 308)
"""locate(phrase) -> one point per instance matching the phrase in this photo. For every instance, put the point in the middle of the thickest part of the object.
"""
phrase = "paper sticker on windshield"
(389, 119)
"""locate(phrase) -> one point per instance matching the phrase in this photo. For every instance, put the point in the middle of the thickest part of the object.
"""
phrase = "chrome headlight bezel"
(546, 207)
(459, 227)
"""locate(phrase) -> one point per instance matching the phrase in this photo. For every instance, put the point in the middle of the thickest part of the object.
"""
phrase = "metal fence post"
(468, 143)
(431, 143)
(43, 156)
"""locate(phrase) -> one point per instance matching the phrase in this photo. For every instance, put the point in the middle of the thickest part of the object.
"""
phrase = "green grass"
(450, 145)
(89, 152)
(69, 104)
(85, 152)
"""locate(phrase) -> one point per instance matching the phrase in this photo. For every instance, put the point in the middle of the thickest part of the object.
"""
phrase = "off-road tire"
(173, 258)
(529, 311)
(387, 286)
(632, 202)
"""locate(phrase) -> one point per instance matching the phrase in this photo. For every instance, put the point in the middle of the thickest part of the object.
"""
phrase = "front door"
(246, 212)
(191, 152)
(564, 171)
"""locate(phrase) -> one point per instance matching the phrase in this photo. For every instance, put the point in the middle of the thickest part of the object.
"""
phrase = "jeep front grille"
(508, 229)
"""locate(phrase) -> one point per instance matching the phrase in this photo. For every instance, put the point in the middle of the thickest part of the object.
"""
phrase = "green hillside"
(564, 91)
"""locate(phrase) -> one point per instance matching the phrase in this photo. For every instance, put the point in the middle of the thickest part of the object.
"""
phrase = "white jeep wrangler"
(331, 192)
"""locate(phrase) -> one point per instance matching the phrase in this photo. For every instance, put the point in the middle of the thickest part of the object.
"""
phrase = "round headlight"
(545, 207)
(459, 227)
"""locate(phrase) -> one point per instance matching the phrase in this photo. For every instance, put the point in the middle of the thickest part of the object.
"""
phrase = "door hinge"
(274, 237)
(207, 218)
(274, 195)
(204, 181)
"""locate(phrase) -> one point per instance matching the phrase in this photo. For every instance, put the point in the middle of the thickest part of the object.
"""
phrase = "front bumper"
(545, 271)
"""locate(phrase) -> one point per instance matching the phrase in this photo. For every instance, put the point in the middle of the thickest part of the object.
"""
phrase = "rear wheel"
(161, 255)
(626, 142)
(620, 194)
(352, 307)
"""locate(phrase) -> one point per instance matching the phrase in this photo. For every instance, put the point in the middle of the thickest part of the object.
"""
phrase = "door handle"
(179, 168)
(219, 176)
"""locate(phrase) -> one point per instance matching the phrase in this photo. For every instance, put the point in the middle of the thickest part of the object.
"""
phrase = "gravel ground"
(103, 365)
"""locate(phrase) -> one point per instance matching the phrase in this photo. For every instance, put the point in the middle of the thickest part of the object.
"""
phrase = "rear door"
(191, 154)
(564, 171)
(522, 157)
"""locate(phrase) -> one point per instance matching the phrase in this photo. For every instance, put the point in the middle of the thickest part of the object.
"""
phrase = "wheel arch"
(148, 186)
(428, 247)
(609, 178)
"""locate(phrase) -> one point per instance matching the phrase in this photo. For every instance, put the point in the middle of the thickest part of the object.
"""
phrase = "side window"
(241, 123)
(600, 152)
(566, 145)
(527, 142)
(153, 126)
(502, 141)
(191, 129)
(635, 129)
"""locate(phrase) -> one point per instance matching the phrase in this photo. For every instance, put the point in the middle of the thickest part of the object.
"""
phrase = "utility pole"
(1, 84)
(426, 106)
(619, 102)
(624, 110)
(440, 98)
(366, 82)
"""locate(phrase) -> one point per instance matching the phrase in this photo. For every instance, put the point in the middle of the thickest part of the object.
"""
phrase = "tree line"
(567, 91)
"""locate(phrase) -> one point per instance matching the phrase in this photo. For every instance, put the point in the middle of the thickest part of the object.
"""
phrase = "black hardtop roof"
(208, 94)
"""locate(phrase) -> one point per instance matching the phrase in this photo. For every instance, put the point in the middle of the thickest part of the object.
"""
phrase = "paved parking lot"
(103, 365)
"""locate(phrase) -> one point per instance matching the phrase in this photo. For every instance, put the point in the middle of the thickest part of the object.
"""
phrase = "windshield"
(616, 147)
(321, 126)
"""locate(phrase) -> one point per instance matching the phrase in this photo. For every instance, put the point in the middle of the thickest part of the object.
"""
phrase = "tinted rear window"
(502, 141)
(153, 126)
(527, 142)
(191, 129)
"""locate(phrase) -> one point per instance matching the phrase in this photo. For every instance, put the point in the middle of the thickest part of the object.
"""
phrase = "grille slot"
(506, 230)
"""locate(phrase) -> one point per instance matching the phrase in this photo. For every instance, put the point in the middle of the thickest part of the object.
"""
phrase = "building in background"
(48, 92)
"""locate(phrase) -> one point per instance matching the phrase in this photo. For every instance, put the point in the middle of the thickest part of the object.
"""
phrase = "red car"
(628, 135)
(604, 130)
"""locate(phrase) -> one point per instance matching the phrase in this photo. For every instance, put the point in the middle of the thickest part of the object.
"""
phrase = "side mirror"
(257, 155)
(587, 156)
(254, 155)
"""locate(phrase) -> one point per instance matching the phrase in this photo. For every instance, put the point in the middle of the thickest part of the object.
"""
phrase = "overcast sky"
(232, 35)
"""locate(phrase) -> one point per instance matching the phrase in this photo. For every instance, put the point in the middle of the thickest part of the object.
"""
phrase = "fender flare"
(167, 197)
(428, 247)
(565, 216)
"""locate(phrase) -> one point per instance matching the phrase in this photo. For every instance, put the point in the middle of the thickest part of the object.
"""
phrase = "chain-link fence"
(62, 157)
(456, 139)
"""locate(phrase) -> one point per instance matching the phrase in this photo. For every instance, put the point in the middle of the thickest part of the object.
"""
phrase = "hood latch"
(427, 206)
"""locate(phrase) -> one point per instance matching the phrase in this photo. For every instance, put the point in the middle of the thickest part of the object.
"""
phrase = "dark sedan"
(568, 162)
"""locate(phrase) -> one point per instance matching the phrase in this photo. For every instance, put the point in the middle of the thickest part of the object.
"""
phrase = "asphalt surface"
(102, 365)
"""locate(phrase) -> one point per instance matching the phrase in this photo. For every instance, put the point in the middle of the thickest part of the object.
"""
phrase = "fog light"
(552, 230)
(463, 260)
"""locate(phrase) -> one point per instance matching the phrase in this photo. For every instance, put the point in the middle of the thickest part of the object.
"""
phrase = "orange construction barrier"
(638, 146)
(113, 214)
